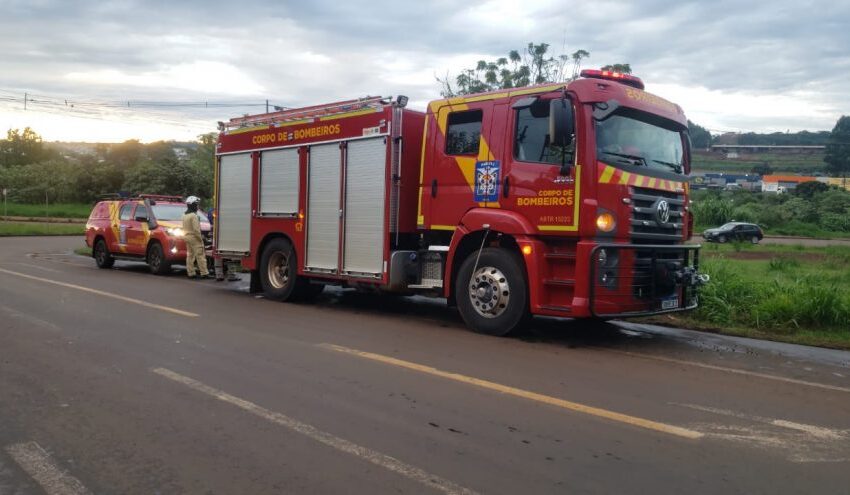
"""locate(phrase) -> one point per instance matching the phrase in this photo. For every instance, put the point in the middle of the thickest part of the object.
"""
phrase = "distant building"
(782, 183)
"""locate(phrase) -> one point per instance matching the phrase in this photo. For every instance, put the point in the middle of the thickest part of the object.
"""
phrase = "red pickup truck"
(146, 228)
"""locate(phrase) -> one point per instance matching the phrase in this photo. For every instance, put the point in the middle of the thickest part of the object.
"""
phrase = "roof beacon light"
(626, 79)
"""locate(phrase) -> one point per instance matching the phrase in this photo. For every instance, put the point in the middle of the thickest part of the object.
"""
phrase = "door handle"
(434, 188)
(506, 187)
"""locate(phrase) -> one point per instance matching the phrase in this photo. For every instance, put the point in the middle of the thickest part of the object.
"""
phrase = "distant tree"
(809, 190)
(532, 65)
(22, 147)
(762, 169)
(700, 137)
(837, 157)
(621, 68)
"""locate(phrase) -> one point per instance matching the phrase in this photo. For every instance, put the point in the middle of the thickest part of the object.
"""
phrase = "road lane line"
(340, 444)
(32, 320)
(729, 370)
(525, 394)
(819, 432)
(103, 293)
(37, 463)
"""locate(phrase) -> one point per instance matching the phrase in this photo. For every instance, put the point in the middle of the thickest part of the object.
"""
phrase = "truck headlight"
(605, 222)
(175, 232)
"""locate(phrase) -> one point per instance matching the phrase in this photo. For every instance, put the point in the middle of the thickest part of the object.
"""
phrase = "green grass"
(83, 251)
(58, 210)
(16, 228)
(789, 293)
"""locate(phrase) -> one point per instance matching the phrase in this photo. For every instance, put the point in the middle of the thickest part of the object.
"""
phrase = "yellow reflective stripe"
(607, 173)
(624, 179)
(557, 228)
(651, 183)
(443, 227)
(247, 129)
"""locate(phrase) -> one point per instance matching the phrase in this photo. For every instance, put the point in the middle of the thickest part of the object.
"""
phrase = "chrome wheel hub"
(489, 292)
(278, 270)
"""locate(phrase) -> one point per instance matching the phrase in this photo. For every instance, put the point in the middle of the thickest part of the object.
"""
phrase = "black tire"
(156, 260)
(755, 239)
(721, 239)
(102, 257)
(279, 274)
(494, 299)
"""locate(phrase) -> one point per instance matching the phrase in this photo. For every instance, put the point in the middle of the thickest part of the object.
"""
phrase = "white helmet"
(193, 200)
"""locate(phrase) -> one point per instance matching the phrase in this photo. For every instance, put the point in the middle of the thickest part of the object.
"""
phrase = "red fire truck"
(566, 199)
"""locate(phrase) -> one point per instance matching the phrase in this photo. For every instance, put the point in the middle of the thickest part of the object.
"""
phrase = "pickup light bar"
(626, 79)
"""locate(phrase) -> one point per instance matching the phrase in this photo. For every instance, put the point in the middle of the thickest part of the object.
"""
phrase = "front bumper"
(643, 279)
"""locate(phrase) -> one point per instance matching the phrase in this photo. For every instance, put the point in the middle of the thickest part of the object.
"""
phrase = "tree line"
(33, 171)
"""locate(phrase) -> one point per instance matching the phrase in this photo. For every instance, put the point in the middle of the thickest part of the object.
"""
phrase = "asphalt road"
(117, 381)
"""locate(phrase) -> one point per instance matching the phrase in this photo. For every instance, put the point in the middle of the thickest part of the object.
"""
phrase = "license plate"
(670, 303)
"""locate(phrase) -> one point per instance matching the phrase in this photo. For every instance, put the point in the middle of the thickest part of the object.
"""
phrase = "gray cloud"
(307, 52)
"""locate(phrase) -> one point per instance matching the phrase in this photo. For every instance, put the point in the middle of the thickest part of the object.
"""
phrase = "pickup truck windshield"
(173, 212)
(622, 140)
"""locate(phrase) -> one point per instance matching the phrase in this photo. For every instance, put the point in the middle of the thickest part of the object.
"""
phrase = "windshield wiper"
(675, 166)
(634, 159)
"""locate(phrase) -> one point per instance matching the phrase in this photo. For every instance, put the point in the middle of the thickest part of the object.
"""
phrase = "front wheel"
(156, 260)
(721, 239)
(102, 257)
(491, 291)
(755, 239)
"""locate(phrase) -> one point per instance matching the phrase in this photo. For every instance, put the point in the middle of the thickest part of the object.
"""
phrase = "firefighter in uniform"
(193, 239)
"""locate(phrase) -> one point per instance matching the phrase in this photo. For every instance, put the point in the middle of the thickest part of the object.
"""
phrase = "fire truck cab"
(566, 199)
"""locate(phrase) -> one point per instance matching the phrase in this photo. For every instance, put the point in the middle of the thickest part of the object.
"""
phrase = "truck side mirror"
(688, 146)
(561, 122)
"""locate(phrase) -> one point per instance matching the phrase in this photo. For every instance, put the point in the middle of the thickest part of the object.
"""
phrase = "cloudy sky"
(112, 70)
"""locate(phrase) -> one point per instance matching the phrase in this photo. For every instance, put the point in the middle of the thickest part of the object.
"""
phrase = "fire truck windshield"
(623, 140)
(173, 212)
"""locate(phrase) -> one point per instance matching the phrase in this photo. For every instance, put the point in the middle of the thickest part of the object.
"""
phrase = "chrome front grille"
(647, 220)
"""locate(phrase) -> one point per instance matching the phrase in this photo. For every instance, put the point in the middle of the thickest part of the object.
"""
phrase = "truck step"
(554, 307)
(559, 282)
(560, 256)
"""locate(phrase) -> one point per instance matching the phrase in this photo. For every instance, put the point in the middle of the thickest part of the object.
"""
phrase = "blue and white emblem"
(487, 181)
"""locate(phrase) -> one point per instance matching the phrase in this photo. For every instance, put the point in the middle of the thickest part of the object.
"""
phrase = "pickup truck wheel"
(721, 239)
(102, 257)
(492, 295)
(278, 270)
(156, 260)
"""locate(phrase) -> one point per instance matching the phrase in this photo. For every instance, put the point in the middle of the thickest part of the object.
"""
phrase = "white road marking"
(811, 430)
(104, 294)
(340, 444)
(731, 370)
(37, 463)
(32, 320)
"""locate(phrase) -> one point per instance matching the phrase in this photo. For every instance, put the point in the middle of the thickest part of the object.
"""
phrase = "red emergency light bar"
(626, 79)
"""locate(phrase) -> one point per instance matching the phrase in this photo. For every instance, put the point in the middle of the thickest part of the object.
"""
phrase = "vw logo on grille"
(662, 211)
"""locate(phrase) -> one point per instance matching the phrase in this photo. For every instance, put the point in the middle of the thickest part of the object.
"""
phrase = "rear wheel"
(279, 274)
(101, 255)
(492, 294)
(156, 260)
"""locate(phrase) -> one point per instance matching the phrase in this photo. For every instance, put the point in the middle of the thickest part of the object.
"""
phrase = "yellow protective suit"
(194, 245)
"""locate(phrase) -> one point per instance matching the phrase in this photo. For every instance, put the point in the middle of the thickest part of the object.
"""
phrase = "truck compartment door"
(365, 195)
(233, 232)
(279, 181)
(323, 208)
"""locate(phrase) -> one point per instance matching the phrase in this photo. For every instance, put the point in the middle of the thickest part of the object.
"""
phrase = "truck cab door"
(535, 186)
(137, 231)
(459, 169)
(121, 226)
